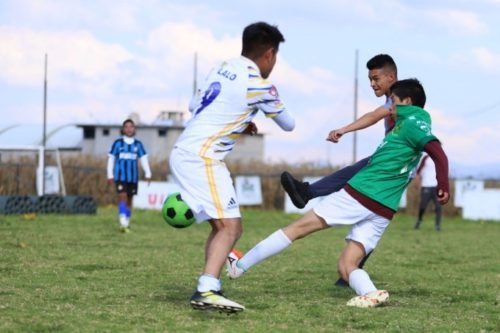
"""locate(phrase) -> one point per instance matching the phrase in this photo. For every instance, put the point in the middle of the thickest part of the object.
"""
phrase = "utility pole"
(354, 137)
(195, 73)
(44, 134)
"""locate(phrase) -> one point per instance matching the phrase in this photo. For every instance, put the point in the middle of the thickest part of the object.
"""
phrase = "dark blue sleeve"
(337, 180)
(115, 147)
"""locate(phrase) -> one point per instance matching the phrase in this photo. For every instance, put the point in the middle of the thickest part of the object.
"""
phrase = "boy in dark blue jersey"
(123, 170)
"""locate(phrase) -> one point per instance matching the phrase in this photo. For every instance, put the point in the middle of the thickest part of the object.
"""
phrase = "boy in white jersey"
(224, 108)
(369, 200)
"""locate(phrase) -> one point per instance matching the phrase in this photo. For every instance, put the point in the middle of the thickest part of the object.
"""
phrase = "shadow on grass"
(174, 293)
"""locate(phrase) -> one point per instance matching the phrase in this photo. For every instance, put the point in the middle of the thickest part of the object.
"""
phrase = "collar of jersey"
(251, 63)
(128, 140)
(404, 111)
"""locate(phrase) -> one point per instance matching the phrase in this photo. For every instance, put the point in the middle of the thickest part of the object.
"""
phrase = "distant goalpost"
(41, 173)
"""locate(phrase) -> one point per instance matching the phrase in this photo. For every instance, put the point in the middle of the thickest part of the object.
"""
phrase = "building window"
(105, 132)
(89, 132)
(162, 132)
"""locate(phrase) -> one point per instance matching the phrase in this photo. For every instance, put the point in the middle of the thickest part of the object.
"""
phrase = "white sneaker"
(214, 300)
(370, 300)
(232, 270)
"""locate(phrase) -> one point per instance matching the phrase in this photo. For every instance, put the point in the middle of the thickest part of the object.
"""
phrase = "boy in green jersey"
(369, 200)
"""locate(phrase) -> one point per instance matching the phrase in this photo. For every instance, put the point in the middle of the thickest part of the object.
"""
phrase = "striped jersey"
(230, 98)
(126, 156)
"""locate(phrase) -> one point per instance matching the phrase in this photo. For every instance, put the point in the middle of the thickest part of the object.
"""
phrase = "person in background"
(123, 170)
(426, 180)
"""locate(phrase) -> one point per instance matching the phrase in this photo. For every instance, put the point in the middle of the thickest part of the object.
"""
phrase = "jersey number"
(210, 94)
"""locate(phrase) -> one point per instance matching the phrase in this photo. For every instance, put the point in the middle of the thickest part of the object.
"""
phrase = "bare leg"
(225, 233)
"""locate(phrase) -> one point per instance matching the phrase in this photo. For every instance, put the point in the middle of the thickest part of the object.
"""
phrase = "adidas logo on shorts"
(232, 204)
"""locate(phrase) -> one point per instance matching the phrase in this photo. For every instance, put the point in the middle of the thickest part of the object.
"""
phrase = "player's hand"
(251, 129)
(149, 181)
(443, 197)
(111, 181)
(335, 135)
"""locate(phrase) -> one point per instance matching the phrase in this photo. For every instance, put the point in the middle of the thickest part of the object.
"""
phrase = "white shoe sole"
(371, 300)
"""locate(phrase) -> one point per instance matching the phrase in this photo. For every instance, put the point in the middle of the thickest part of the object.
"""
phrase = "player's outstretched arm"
(436, 152)
(366, 120)
(285, 121)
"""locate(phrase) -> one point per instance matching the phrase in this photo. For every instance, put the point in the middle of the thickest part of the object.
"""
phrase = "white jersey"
(231, 96)
(388, 121)
(427, 172)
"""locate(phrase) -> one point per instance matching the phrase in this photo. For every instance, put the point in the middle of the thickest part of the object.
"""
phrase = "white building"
(95, 139)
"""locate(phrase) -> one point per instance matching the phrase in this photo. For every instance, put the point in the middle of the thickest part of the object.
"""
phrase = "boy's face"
(381, 80)
(129, 129)
(267, 62)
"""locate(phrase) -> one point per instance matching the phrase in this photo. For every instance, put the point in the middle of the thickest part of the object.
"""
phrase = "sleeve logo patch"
(273, 91)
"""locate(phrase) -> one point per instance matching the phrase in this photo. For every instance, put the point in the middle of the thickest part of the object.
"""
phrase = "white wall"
(481, 205)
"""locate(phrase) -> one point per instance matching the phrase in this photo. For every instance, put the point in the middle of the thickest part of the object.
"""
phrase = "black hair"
(410, 88)
(382, 61)
(125, 122)
(259, 37)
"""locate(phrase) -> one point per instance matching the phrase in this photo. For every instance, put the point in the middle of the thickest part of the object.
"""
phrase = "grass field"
(62, 273)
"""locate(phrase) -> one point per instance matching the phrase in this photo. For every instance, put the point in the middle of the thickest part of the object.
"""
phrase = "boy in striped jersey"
(233, 93)
(123, 170)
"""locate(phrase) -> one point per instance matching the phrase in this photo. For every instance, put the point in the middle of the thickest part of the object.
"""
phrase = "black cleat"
(297, 190)
(342, 283)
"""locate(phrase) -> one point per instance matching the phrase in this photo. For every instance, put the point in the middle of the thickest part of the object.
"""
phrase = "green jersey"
(388, 172)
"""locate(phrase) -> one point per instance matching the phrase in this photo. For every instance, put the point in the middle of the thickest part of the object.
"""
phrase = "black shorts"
(129, 188)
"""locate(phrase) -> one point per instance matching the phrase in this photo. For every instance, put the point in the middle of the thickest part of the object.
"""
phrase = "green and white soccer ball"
(176, 212)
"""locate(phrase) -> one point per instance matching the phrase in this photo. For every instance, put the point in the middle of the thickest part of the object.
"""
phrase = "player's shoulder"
(118, 140)
(138, 142)
(232, 71)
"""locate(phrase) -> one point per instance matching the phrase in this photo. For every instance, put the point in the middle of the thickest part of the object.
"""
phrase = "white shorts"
(339, 209)
(206, 185)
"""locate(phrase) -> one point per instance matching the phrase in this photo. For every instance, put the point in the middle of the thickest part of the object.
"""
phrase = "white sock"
(123, 220)
(208, 282)
(273, 244)
(359, 280)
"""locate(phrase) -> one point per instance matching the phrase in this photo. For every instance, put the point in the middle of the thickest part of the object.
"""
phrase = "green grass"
(65, 273)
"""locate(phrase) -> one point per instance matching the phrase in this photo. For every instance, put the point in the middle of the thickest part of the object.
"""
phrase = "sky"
(107, 59)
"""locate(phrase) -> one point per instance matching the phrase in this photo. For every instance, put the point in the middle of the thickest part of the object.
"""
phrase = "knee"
(233, 227)
(238, 230)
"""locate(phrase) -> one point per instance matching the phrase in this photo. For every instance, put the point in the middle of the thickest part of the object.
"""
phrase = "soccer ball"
(176, 212)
